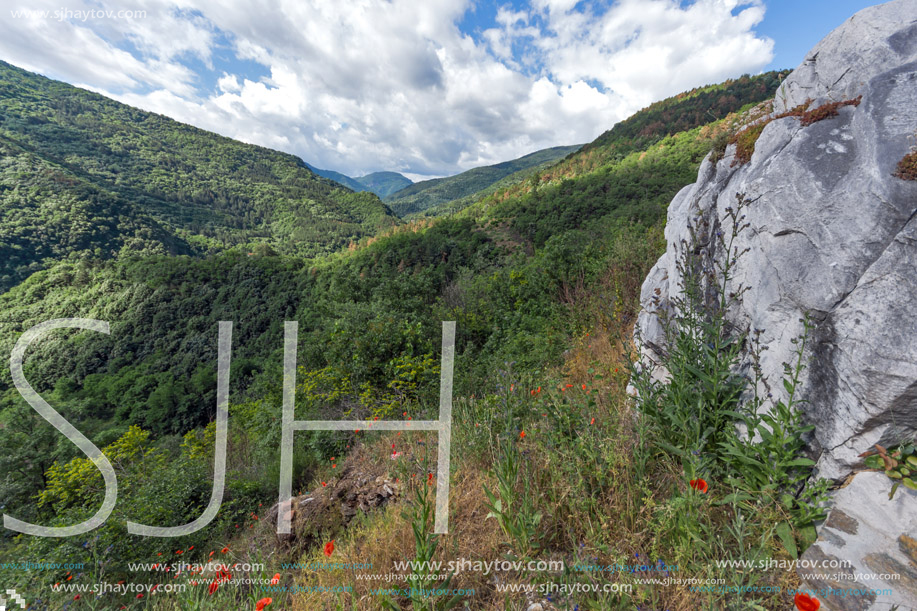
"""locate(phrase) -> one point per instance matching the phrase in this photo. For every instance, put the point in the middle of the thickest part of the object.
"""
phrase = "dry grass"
(384, 538)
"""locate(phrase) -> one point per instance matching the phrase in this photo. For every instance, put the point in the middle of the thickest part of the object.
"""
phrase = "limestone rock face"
(832, 233)
(866, 539)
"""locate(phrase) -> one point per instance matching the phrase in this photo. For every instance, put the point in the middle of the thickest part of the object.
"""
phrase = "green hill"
(384, 184)
(342, 179)
(541, 274)
(115, 177)
(380, 183)
(428, 193)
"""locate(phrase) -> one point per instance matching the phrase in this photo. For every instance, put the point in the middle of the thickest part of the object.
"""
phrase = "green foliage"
(513, 504)
(694, 412)
(898, 462)
(439, 191)
(84, 176)
(425, 544)
(685, 112)
(199, 229)
(636, 189)
(384, 184)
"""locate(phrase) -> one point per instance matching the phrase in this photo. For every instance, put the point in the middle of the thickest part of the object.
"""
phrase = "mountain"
(428, 193)
(541, 275)
(342, 179)
(380, 183)
(85, 176)
(384, 184)
(394, 275)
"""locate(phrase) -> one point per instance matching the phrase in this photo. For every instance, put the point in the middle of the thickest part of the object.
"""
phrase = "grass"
(746, 138)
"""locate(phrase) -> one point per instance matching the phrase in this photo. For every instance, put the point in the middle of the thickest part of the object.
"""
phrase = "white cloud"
(365, 85)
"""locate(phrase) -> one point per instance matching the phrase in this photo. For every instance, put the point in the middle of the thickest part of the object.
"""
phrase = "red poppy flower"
(224, 550)
(522, 435)
(213, 586)
(140, 596)
(77, 597)
(804, 602)
(276, 579)
(699, 485)
(592, 421)
(329, 548)
(261, 604)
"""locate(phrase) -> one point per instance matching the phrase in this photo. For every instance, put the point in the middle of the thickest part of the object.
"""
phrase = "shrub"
(907, 167)
(745, 139)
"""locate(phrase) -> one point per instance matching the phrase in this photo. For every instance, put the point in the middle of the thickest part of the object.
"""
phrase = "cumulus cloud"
(367, 85)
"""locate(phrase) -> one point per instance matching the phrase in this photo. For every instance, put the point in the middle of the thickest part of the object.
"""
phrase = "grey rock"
(840, 562)
(875, 40)
(832, 233)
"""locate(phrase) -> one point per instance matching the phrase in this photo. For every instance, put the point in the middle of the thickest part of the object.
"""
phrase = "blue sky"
(427, 88)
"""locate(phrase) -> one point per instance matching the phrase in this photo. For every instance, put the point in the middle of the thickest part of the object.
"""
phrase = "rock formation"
(832, 233)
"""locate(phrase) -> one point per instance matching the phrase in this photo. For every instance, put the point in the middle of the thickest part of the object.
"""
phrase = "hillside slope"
(180, 189)
(384, 184)
(428, 193)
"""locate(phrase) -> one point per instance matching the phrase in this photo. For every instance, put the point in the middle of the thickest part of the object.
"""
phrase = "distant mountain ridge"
(428, 193)
(382, 184)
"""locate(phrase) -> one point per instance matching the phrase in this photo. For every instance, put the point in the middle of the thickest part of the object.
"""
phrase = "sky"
(422, 87)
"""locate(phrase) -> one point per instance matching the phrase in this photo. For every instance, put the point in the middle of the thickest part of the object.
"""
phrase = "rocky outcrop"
(866, 553)
(832, 233)
(325, 512)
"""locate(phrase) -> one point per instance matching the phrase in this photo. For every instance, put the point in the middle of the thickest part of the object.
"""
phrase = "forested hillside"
(121, 178)
(429, 193)
(384, 184)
